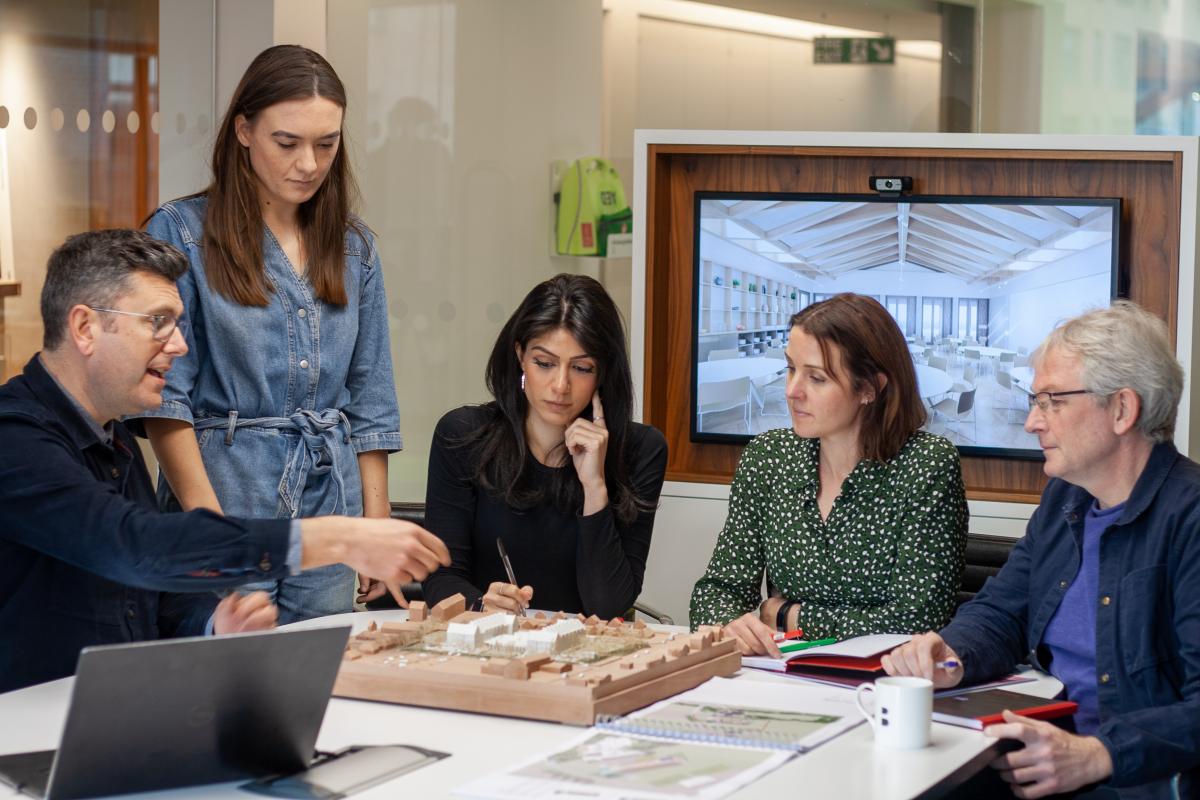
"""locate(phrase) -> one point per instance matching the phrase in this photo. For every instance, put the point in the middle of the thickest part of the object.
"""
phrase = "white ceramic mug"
(903, 708)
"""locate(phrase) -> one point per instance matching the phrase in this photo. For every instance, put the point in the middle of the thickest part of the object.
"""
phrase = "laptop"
(181, 712)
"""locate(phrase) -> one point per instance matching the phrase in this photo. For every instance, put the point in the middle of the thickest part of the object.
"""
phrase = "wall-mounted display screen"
(974, 284)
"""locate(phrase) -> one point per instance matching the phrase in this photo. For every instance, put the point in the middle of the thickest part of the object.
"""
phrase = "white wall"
(1023, 310)
(457, 111)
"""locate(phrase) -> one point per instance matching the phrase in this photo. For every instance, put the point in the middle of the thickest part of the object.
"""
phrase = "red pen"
(788, 635)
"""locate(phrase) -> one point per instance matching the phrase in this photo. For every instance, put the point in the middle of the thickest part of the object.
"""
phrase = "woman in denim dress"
(286, 405)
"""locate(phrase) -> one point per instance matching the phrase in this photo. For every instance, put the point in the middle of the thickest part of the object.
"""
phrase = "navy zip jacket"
(1147, 619)
(85, 556)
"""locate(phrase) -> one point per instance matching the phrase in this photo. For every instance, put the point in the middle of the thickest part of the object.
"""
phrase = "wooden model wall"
(1148, 184)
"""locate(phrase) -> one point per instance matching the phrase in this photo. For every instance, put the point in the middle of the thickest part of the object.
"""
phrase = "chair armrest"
(661, 617)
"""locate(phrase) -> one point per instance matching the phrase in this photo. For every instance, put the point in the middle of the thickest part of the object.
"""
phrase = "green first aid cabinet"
(591, 205)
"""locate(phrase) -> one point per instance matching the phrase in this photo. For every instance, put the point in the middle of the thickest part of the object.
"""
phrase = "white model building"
(496, 625)
(464, 635)
(562, 635)
(473, 634)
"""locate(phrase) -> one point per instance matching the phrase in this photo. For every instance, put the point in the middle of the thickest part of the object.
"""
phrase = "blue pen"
(948, 664)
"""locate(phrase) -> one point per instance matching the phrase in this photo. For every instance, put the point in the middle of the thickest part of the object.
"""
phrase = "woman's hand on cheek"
(587, 442)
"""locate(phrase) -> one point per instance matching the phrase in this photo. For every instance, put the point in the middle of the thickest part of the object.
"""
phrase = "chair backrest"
(1022, 361)
(937, 362)
(720, 355)
(966, 401)
(1008, 358)
(1004, 379)
(969, 374)
(722, 395)
(971, 354)
(984, 557)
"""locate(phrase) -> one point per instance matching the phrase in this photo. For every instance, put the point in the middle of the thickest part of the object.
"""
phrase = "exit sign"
(838, 50)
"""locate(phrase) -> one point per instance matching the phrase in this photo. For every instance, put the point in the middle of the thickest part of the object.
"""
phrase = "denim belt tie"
(319, 434)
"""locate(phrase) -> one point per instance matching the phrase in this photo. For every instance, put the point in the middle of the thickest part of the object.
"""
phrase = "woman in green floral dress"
(858, 517)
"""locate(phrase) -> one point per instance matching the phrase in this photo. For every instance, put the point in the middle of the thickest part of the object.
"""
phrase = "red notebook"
(858, 658)
(979, 709)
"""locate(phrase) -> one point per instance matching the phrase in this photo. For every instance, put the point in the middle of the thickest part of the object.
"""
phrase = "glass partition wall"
(458, 110)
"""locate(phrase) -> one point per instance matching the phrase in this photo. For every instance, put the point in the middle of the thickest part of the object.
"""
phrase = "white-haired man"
(1104, 588)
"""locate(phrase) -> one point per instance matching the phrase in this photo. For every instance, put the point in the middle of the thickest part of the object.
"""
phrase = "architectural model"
(559, 668)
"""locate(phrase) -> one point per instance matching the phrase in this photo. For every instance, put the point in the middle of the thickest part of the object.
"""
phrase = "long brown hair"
(871, 345)
(233, 225)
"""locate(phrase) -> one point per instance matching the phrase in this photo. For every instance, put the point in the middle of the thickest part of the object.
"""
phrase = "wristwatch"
(781, 615)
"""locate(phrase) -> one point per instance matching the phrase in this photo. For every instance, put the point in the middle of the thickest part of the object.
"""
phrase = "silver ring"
(597, 419)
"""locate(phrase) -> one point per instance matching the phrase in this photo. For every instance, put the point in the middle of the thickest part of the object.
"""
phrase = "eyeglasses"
(163, 325)
(1042, 400)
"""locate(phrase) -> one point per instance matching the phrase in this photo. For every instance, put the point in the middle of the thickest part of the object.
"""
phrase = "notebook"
(857, 659)
(743, 713)
(704, 744)
(979, 709)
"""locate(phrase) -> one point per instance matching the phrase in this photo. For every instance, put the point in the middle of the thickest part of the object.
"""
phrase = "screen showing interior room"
(973, 283)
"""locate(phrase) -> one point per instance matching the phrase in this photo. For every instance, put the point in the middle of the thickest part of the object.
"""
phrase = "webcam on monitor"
(890, 186)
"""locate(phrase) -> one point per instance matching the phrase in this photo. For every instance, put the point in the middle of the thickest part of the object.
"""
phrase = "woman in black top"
(554, 466)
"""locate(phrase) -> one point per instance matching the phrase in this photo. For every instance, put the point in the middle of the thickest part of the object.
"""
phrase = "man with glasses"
(1103, 590)
(85, 556)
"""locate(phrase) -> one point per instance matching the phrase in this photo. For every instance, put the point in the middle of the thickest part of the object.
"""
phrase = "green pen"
(794, 646)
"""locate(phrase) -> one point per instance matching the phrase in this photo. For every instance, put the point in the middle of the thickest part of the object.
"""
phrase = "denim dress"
(283, 397)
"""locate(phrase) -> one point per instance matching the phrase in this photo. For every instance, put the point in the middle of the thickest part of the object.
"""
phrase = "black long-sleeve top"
(86, 558)
(591, 564)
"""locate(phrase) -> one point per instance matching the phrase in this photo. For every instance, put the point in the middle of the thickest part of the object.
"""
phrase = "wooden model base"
(408, 663)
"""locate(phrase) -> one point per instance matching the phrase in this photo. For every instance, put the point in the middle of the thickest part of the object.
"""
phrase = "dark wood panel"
(1148, 183)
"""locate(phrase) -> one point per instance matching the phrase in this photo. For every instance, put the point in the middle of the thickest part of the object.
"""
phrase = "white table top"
(1022, 378)
(988, 352)
(932, 381)
(729, 368)
(479, 744)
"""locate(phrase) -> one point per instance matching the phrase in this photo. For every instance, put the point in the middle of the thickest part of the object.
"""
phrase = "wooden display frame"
(669, 664)
(1155, 178)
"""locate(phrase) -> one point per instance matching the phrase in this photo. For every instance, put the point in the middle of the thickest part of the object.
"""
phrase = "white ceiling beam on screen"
(990, 225)
(918, 254)
(837, 232)
(868, 231)
(1097, 220)
(839, 265)
(750, 227)
(1097, 217)
(711, 209)
(954, 253)
(747, 207)
(850, 247)
(843, 212)
(866, 262)
(902, 221)
(860, 253)
(934, 233)
(1053, 214)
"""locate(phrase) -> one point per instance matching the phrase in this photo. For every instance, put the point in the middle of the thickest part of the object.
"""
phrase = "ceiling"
(974, 242)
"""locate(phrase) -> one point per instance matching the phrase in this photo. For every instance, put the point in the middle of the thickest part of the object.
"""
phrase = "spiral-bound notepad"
(745, 713)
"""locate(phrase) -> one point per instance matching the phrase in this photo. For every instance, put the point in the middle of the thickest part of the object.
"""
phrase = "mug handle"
(858, 701)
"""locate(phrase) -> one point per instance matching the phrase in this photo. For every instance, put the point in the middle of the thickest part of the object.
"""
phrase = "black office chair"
(415, 513)
(985, 556)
